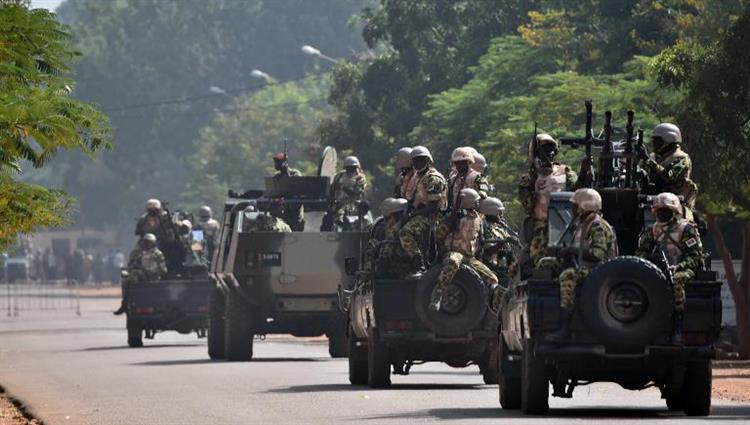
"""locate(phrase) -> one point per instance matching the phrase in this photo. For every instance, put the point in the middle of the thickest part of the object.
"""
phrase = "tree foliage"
(37, 116)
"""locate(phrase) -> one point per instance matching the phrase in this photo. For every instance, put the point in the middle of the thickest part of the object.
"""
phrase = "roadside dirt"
(732, 384)
(11, 415)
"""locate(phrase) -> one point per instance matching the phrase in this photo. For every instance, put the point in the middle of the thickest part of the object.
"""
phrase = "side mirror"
(350, 266)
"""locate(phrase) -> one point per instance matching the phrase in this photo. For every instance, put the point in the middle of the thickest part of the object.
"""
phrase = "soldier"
(679, 240)
(480, 163)
(348, 187)
(281, 165)
(424, 207)
(155, 220)
(594, 241)
(545, 176)
(273, 222)
(460, 233)
(388, 256)
(669, 167)
(146, 263)
(465, 176)
(295, 214)
(498, 239)
(406, 182)
(210, 228)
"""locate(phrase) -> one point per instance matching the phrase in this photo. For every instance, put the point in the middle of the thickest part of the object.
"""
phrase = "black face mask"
(547, 154)
(663, 215)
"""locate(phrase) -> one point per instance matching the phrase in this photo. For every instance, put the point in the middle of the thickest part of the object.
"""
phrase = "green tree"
(38, 118)
(146, 51)
(234, 151)
(714, 79)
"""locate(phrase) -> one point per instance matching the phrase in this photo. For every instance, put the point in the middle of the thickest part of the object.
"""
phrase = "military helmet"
(668, 132)
(469, 199)
(351, 161)
(391, 206)
(153, 203)
(421, 151)
(150, 237)
(587, 200)
(462, 154)
(491, 206)
(186, 223)
(667, 200)
(480, 163)
(545, 139)
(205, 212)
(403, 157)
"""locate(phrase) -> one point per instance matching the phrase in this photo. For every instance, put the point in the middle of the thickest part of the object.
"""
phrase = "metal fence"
(19, 297)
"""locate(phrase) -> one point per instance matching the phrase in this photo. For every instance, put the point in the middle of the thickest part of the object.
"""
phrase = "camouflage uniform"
(347, 190)
(671, 173)
(269, 223)
(499, 260)
(596, 237)
(146, 265)
(534, 193)
(472, 180)
(160, 225)
(389, 260)
(406, 185)
(461, 245)
(293, 214)
(681, 242)
(431, 186)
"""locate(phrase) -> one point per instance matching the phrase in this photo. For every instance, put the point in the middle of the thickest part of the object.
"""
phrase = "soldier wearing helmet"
(680, 241)
(544, 177)
(385, 255)
(465, 176)
(499, 238)
(405, 181)
(156, 220)
(210, 228)
(594, 242)
(460, 233)
(669, 167)
(146, 263)
(348, 188)
(424, 207)
(281, 165)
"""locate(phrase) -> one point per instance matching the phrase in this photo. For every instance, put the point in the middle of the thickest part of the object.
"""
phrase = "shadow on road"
(125, 347)
(344, 387)
(208, 361)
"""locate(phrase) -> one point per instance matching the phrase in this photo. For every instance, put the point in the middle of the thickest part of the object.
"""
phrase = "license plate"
(270, 259)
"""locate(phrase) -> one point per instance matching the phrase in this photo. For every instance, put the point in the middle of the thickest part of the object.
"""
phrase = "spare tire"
(464, 302)
(627, 304)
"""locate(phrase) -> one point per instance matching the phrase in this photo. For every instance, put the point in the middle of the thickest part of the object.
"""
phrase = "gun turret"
(587, 140)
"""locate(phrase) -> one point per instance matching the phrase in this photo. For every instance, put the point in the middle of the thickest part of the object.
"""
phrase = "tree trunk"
(739, 285)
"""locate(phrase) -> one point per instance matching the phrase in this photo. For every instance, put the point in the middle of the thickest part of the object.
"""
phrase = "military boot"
(677, 319)
(496, 293)
(417, 268)
(120, 310)
(436, 300)
(563, 333)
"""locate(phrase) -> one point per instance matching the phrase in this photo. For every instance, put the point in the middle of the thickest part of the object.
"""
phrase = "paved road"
(77, 370)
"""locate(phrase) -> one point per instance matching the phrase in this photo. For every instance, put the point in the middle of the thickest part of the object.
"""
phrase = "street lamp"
(257, 73)
(312, 51)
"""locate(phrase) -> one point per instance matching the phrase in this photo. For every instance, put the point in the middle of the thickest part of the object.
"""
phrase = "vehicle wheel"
(674, 403)
(238, 329)
(216, 304)
(378, 362)
(464, 303)
(696, 389)
(135, 334)
(488, 367)
(358, 371)
(534, 384)
(509, 377)
(337, 342)
(626, 303)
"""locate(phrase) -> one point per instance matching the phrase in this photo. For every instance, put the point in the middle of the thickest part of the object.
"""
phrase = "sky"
(47, 4)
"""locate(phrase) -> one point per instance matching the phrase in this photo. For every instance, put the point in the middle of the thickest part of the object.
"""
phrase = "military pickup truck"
(622, 323)
(177, 303)
(278, 283)
(390, 324)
